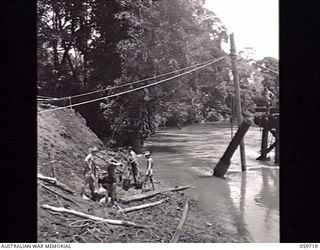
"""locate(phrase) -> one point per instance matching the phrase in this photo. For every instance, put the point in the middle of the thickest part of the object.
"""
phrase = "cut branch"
(178, 232)
(92, 217)
(147, 195)
(55, 182)
(135, 208)
(59, 194)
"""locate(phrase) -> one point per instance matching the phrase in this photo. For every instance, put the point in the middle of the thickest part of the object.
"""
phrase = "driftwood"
(178, 232)
(55, 182)
(139, 197)
(92, 217)
(135, 208)
(59, 194)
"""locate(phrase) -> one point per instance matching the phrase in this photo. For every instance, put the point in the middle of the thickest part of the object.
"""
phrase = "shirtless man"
(90, 174)
(149, 172)
(134, 165)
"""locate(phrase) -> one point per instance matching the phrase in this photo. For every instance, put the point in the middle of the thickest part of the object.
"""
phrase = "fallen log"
(178, 232)
(59, 194)
(135, 208)
(55, 182)
(139, 197)
(92, 217)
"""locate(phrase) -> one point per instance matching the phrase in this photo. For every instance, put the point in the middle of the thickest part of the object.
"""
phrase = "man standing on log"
(149, 173)
(90, 174)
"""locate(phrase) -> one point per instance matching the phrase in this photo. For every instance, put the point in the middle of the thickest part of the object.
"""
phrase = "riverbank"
(63, 142)
(161, 220)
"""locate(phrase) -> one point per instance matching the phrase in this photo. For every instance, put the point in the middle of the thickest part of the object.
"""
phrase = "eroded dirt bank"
(63, 142)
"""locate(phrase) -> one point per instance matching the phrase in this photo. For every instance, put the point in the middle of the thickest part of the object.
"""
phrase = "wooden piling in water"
(264, 145)
(225, 160)
(277, 145)
(237, 98)
(269, 123)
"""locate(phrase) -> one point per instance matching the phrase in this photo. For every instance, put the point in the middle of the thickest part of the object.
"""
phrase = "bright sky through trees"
(255, 23)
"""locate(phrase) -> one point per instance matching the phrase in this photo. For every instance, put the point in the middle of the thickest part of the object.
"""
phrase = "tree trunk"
(139, 197)
(178, 232)
(55, 54)
(55, 182)
(74, 73)
(59, 194)
(135, 208)
(92, 217)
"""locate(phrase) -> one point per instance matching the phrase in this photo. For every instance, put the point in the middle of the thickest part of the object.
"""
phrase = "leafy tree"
(77, 51)
(91, 45)
(166, 36)
(270, 77)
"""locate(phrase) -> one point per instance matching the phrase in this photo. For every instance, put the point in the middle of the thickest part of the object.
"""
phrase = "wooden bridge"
(269, 122)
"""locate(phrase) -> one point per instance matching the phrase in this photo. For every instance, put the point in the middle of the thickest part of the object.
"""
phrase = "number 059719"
(309, 245)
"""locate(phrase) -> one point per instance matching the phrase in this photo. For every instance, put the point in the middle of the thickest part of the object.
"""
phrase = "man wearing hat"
(149, 172)
(90, 174)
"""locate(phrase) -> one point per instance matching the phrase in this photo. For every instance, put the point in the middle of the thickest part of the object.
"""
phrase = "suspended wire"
(132, 90)
(266, 68)
(131, 83)
(45, 97)
(259, 65)
(136, 89)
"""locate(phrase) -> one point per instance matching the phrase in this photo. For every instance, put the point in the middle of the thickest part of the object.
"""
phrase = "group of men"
(94, 177)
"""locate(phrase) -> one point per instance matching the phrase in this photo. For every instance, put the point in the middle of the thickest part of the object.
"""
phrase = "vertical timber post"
(276, 157)
(237, 98)
(264, 144)
(70, 103)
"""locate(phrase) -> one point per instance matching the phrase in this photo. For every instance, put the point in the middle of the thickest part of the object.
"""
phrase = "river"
(247, 201)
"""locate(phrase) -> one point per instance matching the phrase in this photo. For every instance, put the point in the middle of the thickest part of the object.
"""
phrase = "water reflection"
(246, 200)
(243, 192)
(268, 196)
(236, 211)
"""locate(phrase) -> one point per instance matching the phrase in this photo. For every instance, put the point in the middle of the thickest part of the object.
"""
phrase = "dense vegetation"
(90, 45)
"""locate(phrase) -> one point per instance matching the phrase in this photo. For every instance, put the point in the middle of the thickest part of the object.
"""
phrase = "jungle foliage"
(90, 45)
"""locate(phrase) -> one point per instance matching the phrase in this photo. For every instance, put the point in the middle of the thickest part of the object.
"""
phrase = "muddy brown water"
(246, 201)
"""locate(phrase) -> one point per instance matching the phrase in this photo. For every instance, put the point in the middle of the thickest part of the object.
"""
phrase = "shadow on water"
(237, 215)
(205, 176)
(164, 149)
(268, 196)
(172, 139)
(164, 134)
(232, 197)
(247, 202)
